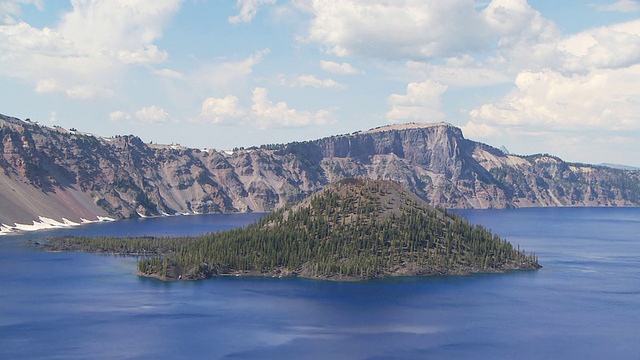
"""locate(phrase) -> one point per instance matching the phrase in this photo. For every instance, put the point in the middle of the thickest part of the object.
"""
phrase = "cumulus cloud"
(607, 47)
(516, 22)
(266, 114)
(119, 116)
(152, 115)
(455, 43)
(480, 131)
(217, 110)
(593, 86)
(620, 5)
(386, 29)
(580, 86)
(418, 29)
(523, 38)
(422, 102)
(248, 10)
(339, 68)
(603, 99)
(121, 29)
(312, 81)
(89, 46)
(226, 73)
(263, 113)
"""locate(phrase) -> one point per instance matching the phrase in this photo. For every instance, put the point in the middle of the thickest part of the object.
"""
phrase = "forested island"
(354, 229)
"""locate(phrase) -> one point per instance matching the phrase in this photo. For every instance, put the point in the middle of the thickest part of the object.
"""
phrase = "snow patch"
(5, 230)
(46, 223)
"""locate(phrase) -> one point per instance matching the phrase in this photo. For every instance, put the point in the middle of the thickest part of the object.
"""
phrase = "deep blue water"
(584, 303)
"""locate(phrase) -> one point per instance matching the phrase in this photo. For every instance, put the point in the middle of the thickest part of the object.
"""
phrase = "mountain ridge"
(58, 173)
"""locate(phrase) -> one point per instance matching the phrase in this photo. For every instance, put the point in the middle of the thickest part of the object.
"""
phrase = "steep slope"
(353, 229)
(436, 162)
(62, 174)
(56, 173)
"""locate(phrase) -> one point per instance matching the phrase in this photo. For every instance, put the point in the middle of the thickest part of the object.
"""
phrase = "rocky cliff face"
(61, 174)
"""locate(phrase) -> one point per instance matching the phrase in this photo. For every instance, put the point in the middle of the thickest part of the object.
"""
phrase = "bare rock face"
(56, 173)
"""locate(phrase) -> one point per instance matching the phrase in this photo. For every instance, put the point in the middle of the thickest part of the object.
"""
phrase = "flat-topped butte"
(355, 229)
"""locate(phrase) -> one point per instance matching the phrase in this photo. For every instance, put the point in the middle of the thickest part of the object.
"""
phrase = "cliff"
(68, 176)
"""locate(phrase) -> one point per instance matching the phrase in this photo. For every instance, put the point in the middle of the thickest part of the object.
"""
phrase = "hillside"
(67, 176)
(352, 230)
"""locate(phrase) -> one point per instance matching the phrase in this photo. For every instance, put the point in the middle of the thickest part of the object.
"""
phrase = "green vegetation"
(354, 229)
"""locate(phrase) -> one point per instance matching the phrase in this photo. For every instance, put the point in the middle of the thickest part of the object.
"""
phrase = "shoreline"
(279, 274)
(46, 223)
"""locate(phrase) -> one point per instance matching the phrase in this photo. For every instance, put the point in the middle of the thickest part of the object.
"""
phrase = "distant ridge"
(621, 167)
(67, 176)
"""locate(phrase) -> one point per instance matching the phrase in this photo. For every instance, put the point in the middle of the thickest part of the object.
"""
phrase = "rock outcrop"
(60, 174)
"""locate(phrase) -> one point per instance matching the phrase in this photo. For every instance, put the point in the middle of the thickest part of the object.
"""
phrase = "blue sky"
(559, 77)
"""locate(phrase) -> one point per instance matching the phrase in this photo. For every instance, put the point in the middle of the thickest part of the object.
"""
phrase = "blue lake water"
(584, 303)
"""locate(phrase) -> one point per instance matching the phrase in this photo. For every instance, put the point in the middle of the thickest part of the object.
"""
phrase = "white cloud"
(516, 22)
(339, 68)
(152, 115)
(47, 86)
(119, 116)
(118, 28)
(421, 103)
(312, 81)
(263, 113)
(248, 10)
(591, 85)
(480, 131)
(74, 92)
(600, 100)
(266, 114)
(419, 30)
(606, 47)
(217, 110)
(84, 92)
(387, 29)
(148, 54)
(458, 73)
(169, 73)
(11, 8)
(524, 38)
(89, 47)
(620, 5)
(227, 73)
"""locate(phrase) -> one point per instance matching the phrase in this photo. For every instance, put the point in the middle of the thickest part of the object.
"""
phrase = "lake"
(583, 304)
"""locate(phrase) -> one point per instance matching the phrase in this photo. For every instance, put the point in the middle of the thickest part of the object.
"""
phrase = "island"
(353, 229)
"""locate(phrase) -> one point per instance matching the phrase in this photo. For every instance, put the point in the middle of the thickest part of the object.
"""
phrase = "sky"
(537, 76)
